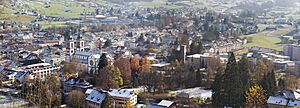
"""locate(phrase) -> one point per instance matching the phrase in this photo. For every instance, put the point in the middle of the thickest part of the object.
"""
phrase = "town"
(149, 53)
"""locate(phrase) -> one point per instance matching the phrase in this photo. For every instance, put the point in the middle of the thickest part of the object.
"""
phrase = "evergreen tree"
(103, 62)
(269, 83)
(107, 43)
(217, 91)
(233, 91)
(244, 69)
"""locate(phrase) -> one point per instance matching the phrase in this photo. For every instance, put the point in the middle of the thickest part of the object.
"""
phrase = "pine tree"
(218, 91)
(269, 83)
(103, 62)
(233, 92)
(244, 74)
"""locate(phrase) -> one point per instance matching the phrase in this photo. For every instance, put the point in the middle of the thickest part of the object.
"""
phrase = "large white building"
(40, 70)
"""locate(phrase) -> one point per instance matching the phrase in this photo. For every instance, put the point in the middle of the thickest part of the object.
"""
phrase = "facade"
(93, 61)
(40, 70)
(199, 60)
(123, 97)
(293, 51)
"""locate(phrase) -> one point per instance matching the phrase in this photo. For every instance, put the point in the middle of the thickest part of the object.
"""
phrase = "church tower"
(80, 41)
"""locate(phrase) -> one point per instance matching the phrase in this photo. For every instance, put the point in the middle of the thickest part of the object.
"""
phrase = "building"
(93, 63)
(123, 97)
(293, 51)
(193, 93)
(76, 84)
(199, 60)
(40, 70)
(95, 99)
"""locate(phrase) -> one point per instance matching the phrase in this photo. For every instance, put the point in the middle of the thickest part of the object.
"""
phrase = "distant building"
(293, 51)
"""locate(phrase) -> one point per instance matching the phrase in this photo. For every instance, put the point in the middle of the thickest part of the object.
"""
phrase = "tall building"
(293, 51)
(74, 45)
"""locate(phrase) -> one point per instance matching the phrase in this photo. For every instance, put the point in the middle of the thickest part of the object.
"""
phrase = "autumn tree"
(208, 77)
(107, 102)
(291, 82)
(76, 99)
(125, 68)
(146, 64)
(71, 68)
(135, 67)
(261, 70)
(256, 97)
(110, 78)
(115, 74)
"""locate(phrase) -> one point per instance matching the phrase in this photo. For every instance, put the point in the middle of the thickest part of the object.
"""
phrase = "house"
(95, 98)
(193, 93)
(123, 97)
(280, 102)
(76, 83)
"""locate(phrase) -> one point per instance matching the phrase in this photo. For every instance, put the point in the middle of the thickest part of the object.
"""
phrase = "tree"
(124, 65)
(261, 70)
(107, 101)
(269, 83)
(55, 88)
(218, 91)
(107, 43)
(233, 92)
(135, 64)
(198, 77)
(103, 62)
(196, 47)
(208, 77)
(116, 76)
(255, 97)
(110, 78)
(135, 67)
(76, 99)
(291, 82)
(71, 68)
(244, 69)
(146, 64)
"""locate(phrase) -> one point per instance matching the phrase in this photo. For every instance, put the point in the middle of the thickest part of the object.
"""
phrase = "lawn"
(46, 24)
(265, 40)
(156, 4)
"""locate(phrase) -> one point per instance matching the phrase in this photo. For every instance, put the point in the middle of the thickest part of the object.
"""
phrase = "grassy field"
(156, 4)
(264, 40)
(267, 39)
(46, 24)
